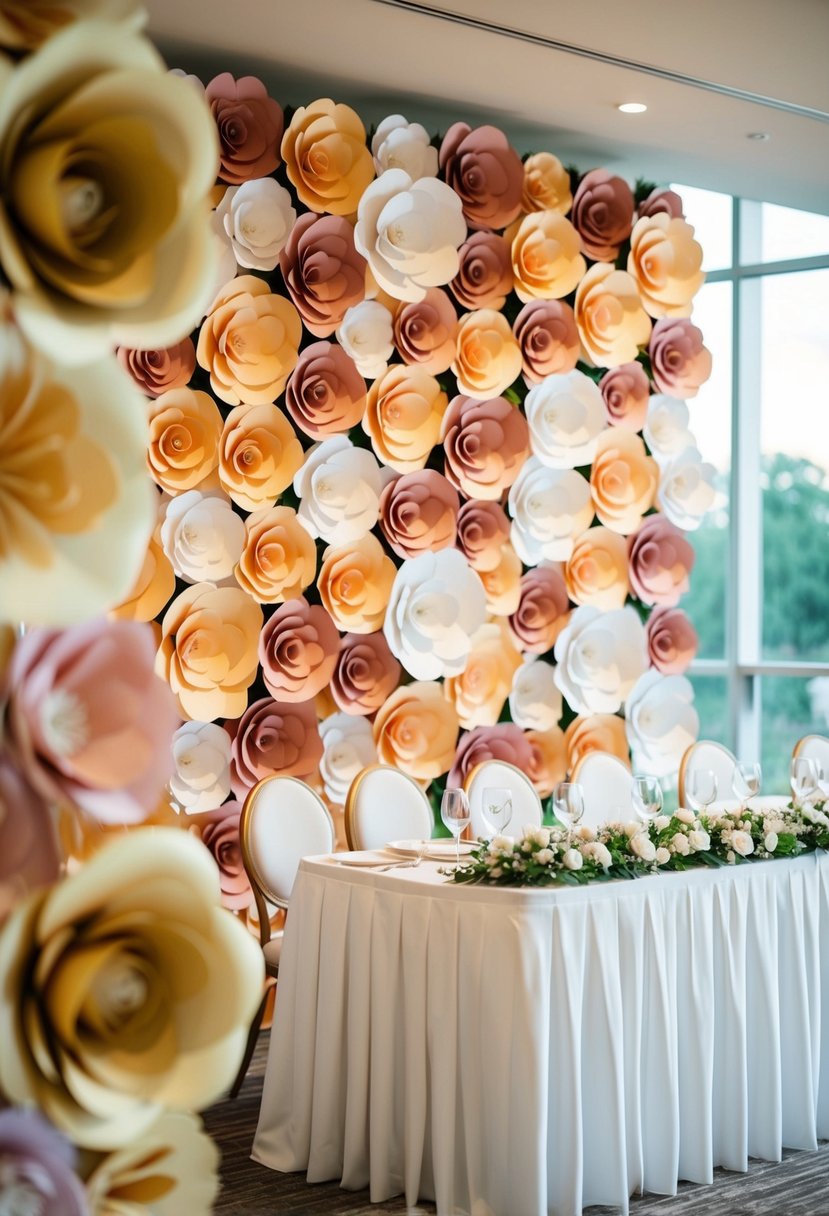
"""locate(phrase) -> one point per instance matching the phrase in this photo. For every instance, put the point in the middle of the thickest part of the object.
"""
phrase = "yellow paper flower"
(665, 261)
(546, 256)
(355, 583)
(611, 321)
(483, 686)
(25, 24)
(403, 415)
(183, 450)
(128, 990)
(259, 454)
(487, 357)
(326, 157)
(416, 730)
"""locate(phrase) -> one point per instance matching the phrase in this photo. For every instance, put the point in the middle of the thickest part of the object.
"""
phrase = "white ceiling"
(382, 58)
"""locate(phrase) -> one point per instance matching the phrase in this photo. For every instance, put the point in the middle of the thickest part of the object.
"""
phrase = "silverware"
(402, 865)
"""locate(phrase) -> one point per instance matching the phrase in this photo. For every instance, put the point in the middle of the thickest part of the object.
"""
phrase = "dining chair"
(282, 821)
(526, 804)
(606, 785)
(385, 804)
(814, 747)
(706, 754)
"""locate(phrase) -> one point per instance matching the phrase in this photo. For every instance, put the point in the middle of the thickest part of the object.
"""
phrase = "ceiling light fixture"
(632, 107)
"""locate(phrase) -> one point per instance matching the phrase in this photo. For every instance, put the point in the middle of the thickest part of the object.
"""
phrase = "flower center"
(120, 991)
(63, 722)
(81, 203)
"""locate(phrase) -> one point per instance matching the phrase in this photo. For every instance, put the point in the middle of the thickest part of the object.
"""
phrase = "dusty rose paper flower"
(298, 650)
(672, 640)
(38, 1174)
(680, 363)
(483, 530)
(365, 674)
(404, 410)
(597, 570)
(484, 278)
(88, 721)
(259, 455)
(548, 337)
(29, 855)
(486, 442)
(661, 202)
(273, 737)
(250, 125)
(157, 371)
(326, 157)
(543, 611)
(502, 742)
(355, 583)
(487, 357)
(279, 559)
(415, 730)
(325, 394)
(602, 214)
(661, 558)
(665, 261)
(485, 172)
(626, 392)
(324, 273)
(611, 321)
(549, 759)
(424, 331)
(480, 690)
(546, 259)
(183, 449)
(546, 184)
(596, 733)
(219, 832)
(502, 585)
(418, 512)
(623, 480)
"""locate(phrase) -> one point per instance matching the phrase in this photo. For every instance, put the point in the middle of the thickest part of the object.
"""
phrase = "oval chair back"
(814, 747)
(606, 784)
(706, 754)
(526, 804)
(385, 804)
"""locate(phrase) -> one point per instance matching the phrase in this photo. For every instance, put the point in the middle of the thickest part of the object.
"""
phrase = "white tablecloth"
(517, 1053)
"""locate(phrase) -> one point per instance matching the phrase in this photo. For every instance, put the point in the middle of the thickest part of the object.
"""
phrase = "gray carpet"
(798, 1186)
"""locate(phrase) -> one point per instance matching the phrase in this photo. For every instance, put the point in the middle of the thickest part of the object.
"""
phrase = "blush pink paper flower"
(485, 442)
(424, 331)
(661, 202)
(298, 650)
(483, 530)
(506, 742)
(548, 336)
(485, 172)
(626, 393)
(543, 609)
(156, 371)
(366, 673)
(680, 364)
(326, 395)
(484, 278)
(324, 273)
(219, 832)
(602, 214)
(418, 513)
(661, 559)
(273, 737)
(29, 854)
(672, 641)
(250, 125)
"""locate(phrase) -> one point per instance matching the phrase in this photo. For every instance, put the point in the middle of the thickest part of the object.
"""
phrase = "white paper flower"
(202, 536)
(437, 603)
(409, 232)
(399, 144)
(201, 754)
(661, 722)
(549, 509)
(566, 414)
(339, 488)
(258, 217)
(366, 337)
(666, 427)
(600, 656)
(535, 700)
(349, 748)
(225, 267)
(686, 489)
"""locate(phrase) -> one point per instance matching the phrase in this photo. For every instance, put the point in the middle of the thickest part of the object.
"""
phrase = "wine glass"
(454, 811)
(646, 794)
(568, 803)
(746, 781)
(700, 789)
(497, 807)
(803, 778)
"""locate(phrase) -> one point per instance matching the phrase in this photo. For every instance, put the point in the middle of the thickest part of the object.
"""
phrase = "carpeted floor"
(798, 1186)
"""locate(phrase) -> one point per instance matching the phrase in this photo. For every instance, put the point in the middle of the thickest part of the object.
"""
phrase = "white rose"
(666, 427)
(681, 844)
(686, 489)
(348, 745)
(257, 217)
(365, 334)
(398, 144)
(594, 850)
(538, 836)
(599, 657)
(534, 700)
(544, 856)
(642, 846)
(437, 603)
(549, 509)
(409, 232)
(742, 843)
(661, 822)
(699, 840)
(566, 414)
(572, 860)
(585, 832)
(202, 536)
(662, 857)
(660, 722)
(502, 846)
(770, 842)
(339, 488)
(685, 816)
(201, 754)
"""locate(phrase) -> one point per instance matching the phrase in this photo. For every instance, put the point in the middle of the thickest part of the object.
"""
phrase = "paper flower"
(502, 585)
(257, 218)
(543, 609)
(326, 158)
(486, 443)
(665, 261)
(483, 530)
(250, 125)
(157, 371)
(201, 756)
(480, 690)
(339, 488)
(611, 321)
(597, 570)
(534, 700)
(424, 331)
(487, 356)
(249, 342)
(661, 201)
(365, 674)
(29, 853)
(661, 722)
(546, 332)
(549, 508)
(686, 489)
(202, 536)
(38, 1174)
(354, 584)
(599, 657)
(666, 427)
(660, 560)
(26, 24)
(596, 733)
(279, 559)
(326, 394)
(546, 261)
(273, 737)
(625, 390)
(259, 454)
(348, 748)
(680, 364)
(366, 335)
(153, 587)
(322, 270)
(623, 480)
(404, 409)
(672, 641)
(185, 429)
(546, 184)
(218, 830)
(548, 759)
(486, 173)
(298, 650)
(418, 513)
(602, 214)
(415, 730)
(399, 144)
(484, 278)
(565, 414)
(502, 742)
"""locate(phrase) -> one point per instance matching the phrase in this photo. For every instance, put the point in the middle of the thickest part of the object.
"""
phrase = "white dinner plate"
(439, 850)
(362, 857)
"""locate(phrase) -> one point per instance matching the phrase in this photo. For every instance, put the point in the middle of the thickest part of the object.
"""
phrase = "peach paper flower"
(486, 442)
(424, 331)
(218, 831)
(626, 393)
(326, 157)
(611, 321)
(279, 559)
(597, 571)
(185, 429)
(250, 125)
(484, 278)
(404, 409)
(485, 172)
(543, 611)
(273, 737)
(249, 342)
(661, 559)
(623, 480)
(602, 214)
(546, 184)
(546, 259)
(415, 730)
(680, 364)
(157, 371)
(672, 641)
(355, 583)
(366, 673)
(483, 530)
(259, 455)
(502, 742)
(665, 261)
(487, 358)
(325, 394)
(596, 733)
(298, 650)
(324, 273)
(481, 689)
(549, 339)
(418, 512)
(502, 585)
(549, 759)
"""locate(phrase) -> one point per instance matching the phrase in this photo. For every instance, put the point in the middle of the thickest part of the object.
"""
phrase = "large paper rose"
(409, 232)
(298, 650)
(597, 570)
(87, 721)
(549, 509)
(366, 335)
(273, 737)
(480, 690)
(279, 559)
(546, 184)
(611, 321)
(415, 730)
(339, 488)
(399, 144)
(546, 262)
(662, 722)
(565, 414)
(25, 24)
(484, 278)
(250, 125)
(502, 742)
(436, 604)
(502, 585)
(487, 357)
(665, 260)
(661, 201)
(672, 640)
(424, 331)
(201, 756)
(326, 394)
(38, 1174)
(549, 340)
(660, 560)
(625, 390)
(485, 172)
(355, 582)
(157, 371)
(403, 416)
(418, 513)
(366, 673)
(29, 854)
(185, 429)
(348, 745)
(483, 530)
(543, 609)
(680, 364)
(218, 830)
(324, 273)
(127, 990)
(486, 442)
(257, 218)
(599, 657)
(202, 536)
(548, 761)
(249, 342)
(534, 700)
(686, 489)
(326, 158)
(602, 214)
(208, 650)
(258, 455)
(623, 480)
(596, 733)
(666, 427)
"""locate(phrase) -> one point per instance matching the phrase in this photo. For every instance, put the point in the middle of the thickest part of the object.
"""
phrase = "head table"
(514, 1052)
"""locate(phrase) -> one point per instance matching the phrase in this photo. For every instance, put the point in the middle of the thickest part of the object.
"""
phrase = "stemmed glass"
(803, 778)
(700, 789)
(568, 803)
(746, 781)
(497, 807)
(454, 811)
(646, 794)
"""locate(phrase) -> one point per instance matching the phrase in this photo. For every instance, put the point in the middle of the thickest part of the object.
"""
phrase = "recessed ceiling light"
(632, 107)
(758, 136)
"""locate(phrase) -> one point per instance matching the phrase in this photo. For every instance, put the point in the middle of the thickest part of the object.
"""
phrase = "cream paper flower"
(549, 509)
(399, 144)
(128, 990)
(339, 488)
(566, 414)
(666, 429)
(26, 24)
(661, 722)
(535, 700)
(201, 754)
(665, 260)
(599, 657)
(366, 336)
(409, 232)
(436, 604)
(686, 489)
(257, 217)
(202, 536)
(348, 744)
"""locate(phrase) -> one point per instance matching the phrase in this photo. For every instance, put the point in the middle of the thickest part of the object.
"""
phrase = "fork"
(401, 865)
